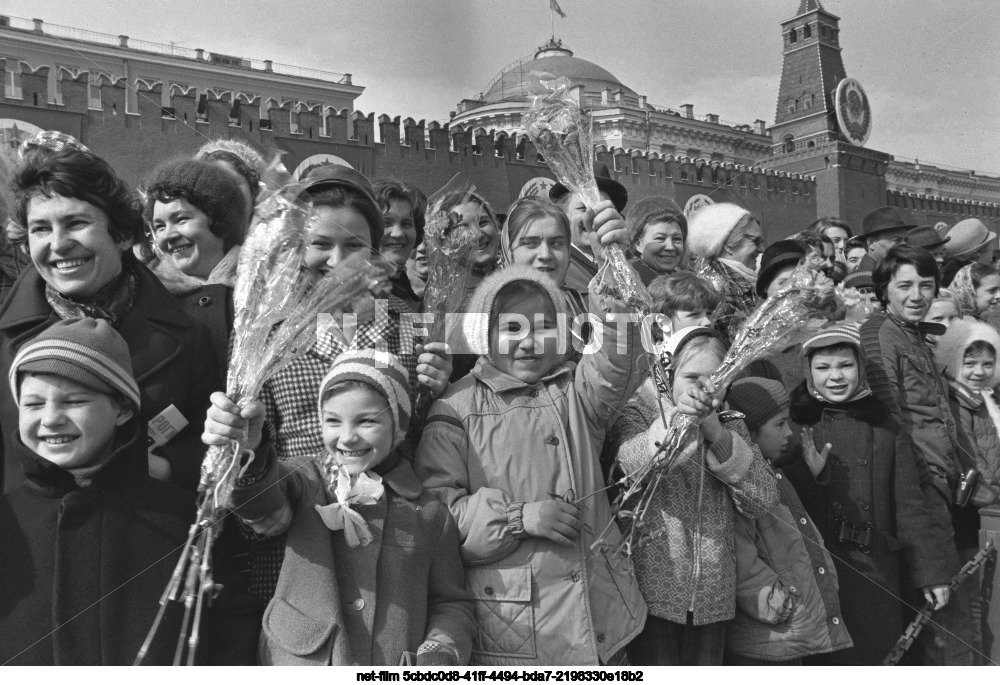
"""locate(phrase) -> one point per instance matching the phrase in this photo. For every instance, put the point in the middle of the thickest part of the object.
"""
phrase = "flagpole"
(552, 20)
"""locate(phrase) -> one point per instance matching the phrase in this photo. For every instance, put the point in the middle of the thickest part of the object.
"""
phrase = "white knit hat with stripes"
(88, 351)
(381, 371)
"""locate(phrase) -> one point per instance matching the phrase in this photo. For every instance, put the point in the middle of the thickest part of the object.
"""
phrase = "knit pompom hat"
(758, 399)
(949, 352)
(653, 209)
(838, 334)
(207, 186)
(88, 351)
(476, 321)
(381, 371)
(710, 226)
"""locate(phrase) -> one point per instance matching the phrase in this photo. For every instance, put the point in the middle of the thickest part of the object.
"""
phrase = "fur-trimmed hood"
(949, 352)
(179, 283)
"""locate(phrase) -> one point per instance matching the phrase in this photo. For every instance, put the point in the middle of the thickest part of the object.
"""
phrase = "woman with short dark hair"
(79, 221)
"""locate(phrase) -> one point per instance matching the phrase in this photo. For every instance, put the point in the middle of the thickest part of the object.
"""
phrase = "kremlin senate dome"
(553, 58)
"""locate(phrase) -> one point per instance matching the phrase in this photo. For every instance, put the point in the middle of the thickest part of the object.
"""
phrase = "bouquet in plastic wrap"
(450, 248)
(277, 302)
(805, 304)
(562, 133)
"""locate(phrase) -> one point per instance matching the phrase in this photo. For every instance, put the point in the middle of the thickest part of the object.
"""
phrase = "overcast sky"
(931, 69)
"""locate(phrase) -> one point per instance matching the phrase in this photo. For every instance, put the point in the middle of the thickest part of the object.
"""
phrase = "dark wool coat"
(83, 569)
(212, 305)
(172, 361)
(871, 477)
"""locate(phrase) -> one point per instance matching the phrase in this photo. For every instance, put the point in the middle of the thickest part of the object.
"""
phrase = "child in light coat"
(371, 572)
(512, 449)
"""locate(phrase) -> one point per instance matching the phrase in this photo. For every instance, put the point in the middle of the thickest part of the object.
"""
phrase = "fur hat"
(210, 188)
(476, 322)
(381, 371)
(949, 352)
(88, 351)
(711, 225)
(653, 209)
(758, 399)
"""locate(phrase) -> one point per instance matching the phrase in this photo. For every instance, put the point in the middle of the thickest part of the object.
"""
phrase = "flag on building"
(554, 6)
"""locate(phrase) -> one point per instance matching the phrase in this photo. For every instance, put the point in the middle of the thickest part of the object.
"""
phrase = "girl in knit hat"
(371, 572)
(513, 450)
(89, 539)
(857, 477)
(966, 355)
(687, 571)
(786, 582)
(197, 218)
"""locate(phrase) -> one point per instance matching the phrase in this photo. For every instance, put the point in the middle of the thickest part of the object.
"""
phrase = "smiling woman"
(657, 230)
(197, 215)
(78, 220)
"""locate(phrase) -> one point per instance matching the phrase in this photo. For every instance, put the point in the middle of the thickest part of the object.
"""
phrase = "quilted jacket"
(976, 431)
(492, 440)
(691, 566)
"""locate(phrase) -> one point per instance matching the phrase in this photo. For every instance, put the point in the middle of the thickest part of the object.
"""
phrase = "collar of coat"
(126, 463)
(403, 481)
(921, 328)
(500, 382)
(179, 283)
(155, 317)
(966, 396)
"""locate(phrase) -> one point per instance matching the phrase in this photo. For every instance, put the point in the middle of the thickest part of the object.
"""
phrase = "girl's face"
(400, 231)
(698, 364)
(854, 257)
(420, 260)
(909, 294)
(71, 245)
(662, 246)
(977, 369)
(525, 343)
(357, 427)
(543, 246)
(183, 233)
(988, 293)
(335, 233)
(835, 373)
(473, 215)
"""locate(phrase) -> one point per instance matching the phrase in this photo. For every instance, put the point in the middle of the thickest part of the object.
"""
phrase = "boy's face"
(835, 373)
(357, 428)
(772, 437)
(67, 423)
(400, 232)
(977, 369)
(909, 295)
(525, 353)
(682, 319)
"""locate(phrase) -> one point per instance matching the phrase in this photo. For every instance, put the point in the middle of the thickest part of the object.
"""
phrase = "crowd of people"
(824, 497)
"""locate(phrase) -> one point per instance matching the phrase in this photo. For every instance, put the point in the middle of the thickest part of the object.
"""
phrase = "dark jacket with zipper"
(173, 361)
(83, 568)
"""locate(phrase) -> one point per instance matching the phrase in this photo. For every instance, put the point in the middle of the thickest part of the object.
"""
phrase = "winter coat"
(207, 300)
(171, 360)
(900, 368)
(777, 557)
(582, 269)
(374, 604)
(691, 566)
(871, 478)
(977, 431)
(83, 568)
(492, 441)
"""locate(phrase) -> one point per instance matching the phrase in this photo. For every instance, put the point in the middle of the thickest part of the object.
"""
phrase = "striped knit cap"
(88, 351)
(838, 334)
(758, 399)
(381, 371)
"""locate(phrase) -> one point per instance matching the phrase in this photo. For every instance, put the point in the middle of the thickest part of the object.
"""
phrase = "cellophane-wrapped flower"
(806, 303)
(563, 134)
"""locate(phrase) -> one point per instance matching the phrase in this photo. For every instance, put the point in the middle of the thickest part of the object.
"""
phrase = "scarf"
(111, 303)
(964, 290)
(740, 268)
(366, 489)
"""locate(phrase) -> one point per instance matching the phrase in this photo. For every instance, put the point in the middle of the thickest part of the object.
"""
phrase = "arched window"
(790, 107)
(793, 36)
(807, 31)
(789, 144)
